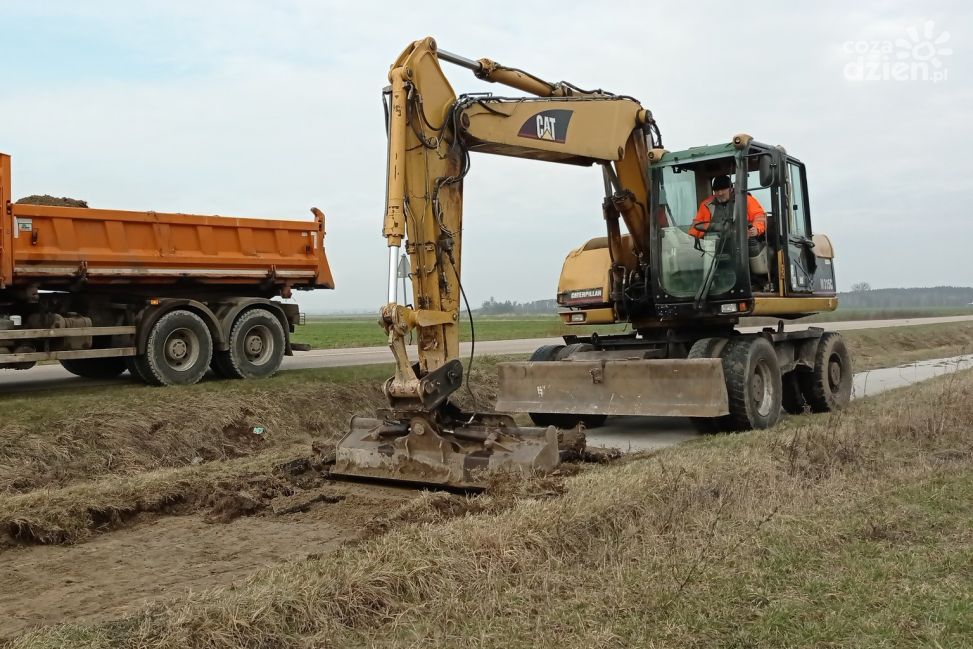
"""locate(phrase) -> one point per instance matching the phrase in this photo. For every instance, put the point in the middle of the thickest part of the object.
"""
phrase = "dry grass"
(888, 347)
(141, 429)
(72, 514)
(59, 439)
(850, 530)
(129, 456)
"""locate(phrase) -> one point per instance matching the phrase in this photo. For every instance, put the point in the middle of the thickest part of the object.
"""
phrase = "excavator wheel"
(792, 398)
(708, 348)
(753, 383)
(545, 353)
(828, 386)
(557, 353)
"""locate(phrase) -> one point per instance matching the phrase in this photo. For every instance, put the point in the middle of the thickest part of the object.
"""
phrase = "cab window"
(797, 221)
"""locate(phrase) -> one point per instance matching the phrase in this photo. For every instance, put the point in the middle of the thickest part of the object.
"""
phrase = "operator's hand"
(752, 232)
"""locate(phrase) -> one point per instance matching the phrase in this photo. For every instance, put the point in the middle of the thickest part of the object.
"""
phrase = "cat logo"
(548, 125)
(545, 127)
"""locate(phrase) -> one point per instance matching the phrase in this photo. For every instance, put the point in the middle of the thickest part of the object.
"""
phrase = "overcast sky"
(268, 108)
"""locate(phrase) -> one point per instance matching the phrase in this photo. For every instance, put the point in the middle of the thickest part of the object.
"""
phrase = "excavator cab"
(787, 271)
(725, 272)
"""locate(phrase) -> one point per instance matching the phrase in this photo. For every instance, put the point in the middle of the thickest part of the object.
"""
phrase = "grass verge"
(849, 530)
(55, 440)
(63, 438)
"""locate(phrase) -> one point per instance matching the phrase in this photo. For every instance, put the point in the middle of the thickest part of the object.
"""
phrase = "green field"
(323, 332)
(330, 332)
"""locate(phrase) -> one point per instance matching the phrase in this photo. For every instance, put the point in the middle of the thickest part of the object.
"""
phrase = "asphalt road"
(50, 377)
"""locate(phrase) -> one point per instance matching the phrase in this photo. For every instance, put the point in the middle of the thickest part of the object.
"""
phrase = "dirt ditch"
(219, 535)
(234, 533)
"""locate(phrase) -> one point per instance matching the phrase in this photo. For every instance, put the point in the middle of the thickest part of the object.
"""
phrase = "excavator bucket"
(465, 456)
(657, 387)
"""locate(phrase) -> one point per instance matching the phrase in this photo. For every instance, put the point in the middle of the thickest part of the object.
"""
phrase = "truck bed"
(53, 247)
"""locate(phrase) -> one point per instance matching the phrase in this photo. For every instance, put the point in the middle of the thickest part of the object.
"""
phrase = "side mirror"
(767, 175)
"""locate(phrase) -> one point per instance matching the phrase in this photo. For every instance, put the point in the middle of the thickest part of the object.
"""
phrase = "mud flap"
(672, 388)
(464, 457)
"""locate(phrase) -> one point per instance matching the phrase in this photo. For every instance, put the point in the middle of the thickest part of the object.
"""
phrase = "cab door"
(800, 263)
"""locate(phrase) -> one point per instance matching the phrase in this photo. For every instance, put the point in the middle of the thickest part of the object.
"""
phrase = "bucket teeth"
(464, 457)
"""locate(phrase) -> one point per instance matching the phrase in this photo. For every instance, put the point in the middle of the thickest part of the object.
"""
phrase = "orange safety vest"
(755, 215)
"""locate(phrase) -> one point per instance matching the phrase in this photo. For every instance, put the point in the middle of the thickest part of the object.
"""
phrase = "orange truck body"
(54, 246)
(166, 297)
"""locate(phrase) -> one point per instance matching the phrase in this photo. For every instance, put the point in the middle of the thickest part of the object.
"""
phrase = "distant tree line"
(507, 307)
(863, 296)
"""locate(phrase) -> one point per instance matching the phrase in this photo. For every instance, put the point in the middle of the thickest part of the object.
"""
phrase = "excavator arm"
(431, 134)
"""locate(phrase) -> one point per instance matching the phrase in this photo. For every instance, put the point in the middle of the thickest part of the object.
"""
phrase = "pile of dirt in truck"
(53, 201)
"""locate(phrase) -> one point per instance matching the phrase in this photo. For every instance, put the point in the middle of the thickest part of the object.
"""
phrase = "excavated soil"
(158, 556)
(53, 201)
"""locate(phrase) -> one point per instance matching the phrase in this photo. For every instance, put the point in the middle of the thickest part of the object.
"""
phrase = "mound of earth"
(53, 201)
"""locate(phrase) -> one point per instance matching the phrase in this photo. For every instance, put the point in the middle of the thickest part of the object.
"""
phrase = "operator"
(718, 208)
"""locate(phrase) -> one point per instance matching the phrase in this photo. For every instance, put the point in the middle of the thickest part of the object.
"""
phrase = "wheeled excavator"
(681, 295)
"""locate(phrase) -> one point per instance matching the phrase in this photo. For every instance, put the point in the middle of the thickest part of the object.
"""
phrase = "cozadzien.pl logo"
(919, 54)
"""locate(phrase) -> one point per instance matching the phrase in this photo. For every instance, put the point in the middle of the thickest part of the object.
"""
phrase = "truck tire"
(563, 420)
(133, 368)
(95, 368)
(708, 348)
(256, 344)
(178, 351)
(828, 386)
(753, 383)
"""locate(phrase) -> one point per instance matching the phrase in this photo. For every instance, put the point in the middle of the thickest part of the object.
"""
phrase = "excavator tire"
(792, 399)
(708, 348)
(753, 383)
(545, 353)
(557, 353)
(828, 386)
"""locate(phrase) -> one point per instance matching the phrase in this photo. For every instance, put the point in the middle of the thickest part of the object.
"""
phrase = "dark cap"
(721, 182)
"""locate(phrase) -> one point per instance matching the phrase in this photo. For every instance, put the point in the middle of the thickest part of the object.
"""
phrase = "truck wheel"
(708, 348)
(828, 386)
(753, 383)
(95, 368)
(256, 347)
(178, 351)
(133, 368)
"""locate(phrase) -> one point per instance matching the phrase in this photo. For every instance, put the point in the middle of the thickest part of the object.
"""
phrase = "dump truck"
(678, 265)
(165, 296)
